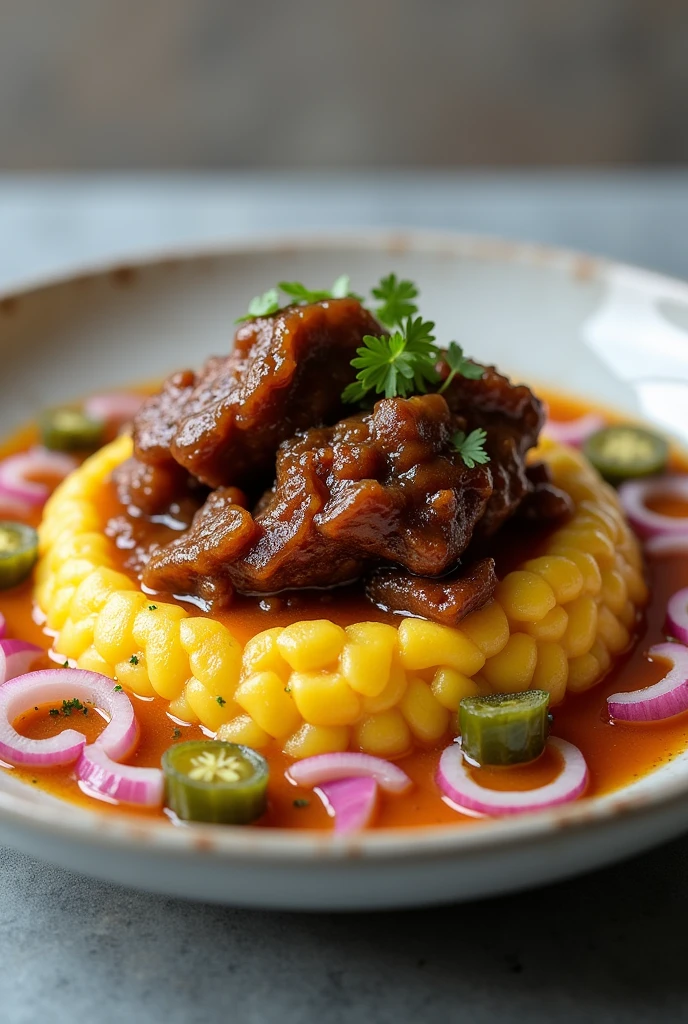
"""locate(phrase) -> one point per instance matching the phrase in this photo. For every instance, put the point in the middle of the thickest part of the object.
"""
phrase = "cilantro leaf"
(397, 300)
(471, 448)
(340, 288)
(262, 305)
(459, 364)
(299, 292)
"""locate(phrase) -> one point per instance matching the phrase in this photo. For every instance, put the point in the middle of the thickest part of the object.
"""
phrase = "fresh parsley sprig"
(394, 365)
(459, 364)
(471, 447)
(269, 302)
(397, 300)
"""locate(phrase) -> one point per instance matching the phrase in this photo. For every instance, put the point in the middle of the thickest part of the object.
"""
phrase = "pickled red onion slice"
(573, 432)
(313, 771)
(457, 783)
(634, 496)
(16, 657)
(664, 699)
(677, 615)
(52, 686)
(351, 802)
(125, 783)
(667, 544)
(3, 627)
(18, 472)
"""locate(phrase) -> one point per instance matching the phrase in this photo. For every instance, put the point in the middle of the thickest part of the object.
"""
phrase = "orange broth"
(616, 753)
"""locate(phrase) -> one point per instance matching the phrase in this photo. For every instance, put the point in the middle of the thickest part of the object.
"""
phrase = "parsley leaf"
(471, 448)
(133, 660)
(262, 305)
(298, 291)
(221, 701)
(397, 364)
(397, 300)
(117, 688)
(459, 364)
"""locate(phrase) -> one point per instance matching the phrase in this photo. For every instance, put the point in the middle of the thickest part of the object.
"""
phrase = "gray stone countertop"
(609, 947)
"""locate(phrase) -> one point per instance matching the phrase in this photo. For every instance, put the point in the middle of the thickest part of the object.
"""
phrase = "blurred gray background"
(307, 84)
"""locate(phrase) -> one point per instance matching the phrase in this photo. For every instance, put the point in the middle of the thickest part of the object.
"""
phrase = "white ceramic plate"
(608, 332)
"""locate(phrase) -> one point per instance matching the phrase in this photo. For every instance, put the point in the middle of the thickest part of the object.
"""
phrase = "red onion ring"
(125, 783)
(3, 628)
(17, 473)
(667, 544)
(635, 494)
(312, 771)
(50, 686)
(456, 782)
(574, 432)
(677, 615)
(113, 408)
(16, 658)
(351, 802)
(664, 699)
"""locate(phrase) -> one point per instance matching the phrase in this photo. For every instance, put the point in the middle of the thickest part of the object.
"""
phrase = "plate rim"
(93, 828)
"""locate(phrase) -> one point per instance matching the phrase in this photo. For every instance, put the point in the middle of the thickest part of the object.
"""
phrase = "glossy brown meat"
(513, 418)
(381, 487)
(447, 600)
(286, 373)
(546, 504)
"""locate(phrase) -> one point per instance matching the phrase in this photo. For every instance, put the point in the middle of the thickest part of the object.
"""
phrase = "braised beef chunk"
(287, 372)
(382, 496)
(447, 600)
(386, 486)
(512, 417)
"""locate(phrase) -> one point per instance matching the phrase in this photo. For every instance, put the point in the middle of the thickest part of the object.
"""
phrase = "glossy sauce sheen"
(616, 753)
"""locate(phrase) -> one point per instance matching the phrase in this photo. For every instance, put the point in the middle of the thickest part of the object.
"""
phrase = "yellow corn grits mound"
(556, 623)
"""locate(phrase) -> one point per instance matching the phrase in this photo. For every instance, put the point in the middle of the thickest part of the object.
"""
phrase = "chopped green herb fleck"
(301, 802)
(71, 705)
(176, 733)
(221, 701)
(287, 689)
(471, 447)
(117, 688)
(133, 660)
(54, 711)
(152, 607)
(65, 664)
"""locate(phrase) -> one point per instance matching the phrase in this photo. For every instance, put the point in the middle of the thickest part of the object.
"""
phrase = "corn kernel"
(383, 735)
(592, 577)
(487, 628)
(449, 687)
(324, 698)
(426, 644)
(93, 662)
(112, 635)
(584, 672)
(309, 646)
(133, 675)
(157, 633)
(214, 654)
(426, 717)
(551, 672)
(525, 596)
(628, 615)
(614, 591)
(600, 652)
(589, 539)
(563, 576)
(551, 628)
(392, 693)
(637, 588)
(582, 627)
(269, 703)
(243, 729)
(204, 703)
(511, 671)
(310, 740)
(261, 654)
(181, 709)
(93, 592)
(366, 658)
(57, 608)
(76, 636)
(611, 632)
